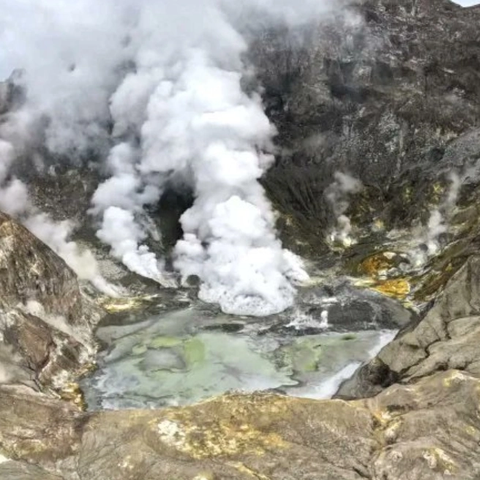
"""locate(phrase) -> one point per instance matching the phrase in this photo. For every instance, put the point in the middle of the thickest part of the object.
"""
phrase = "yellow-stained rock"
(405, 429)
(73, 393)
(377, 265)
(122, 304)
(396, 288)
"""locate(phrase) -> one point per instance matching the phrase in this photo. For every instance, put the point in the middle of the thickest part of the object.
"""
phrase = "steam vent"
(239, 240)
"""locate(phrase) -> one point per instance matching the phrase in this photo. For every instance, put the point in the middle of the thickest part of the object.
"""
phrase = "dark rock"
(368, 381)
(341, 307)
(388, 91)
(233, 327)
(11, 93)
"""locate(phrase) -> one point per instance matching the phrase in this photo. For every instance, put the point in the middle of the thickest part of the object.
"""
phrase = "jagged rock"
(32, 272)
(4, 106)
(46, 323)
(426, 431)
(41, 349)
(447, 337)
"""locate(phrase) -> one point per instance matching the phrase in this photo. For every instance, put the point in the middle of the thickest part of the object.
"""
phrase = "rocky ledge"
(423, 431)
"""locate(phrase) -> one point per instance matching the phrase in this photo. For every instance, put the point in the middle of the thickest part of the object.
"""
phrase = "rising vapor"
(156, 88)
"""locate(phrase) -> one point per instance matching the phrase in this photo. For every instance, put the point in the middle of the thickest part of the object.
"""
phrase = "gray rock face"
(388, 92)
(33, 272)
(446, 338)
(46, 322)
(11, 93)
(23, 471)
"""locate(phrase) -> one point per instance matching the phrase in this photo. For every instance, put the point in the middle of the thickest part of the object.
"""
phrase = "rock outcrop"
(11, 93)
(46, 323)
(446, 338)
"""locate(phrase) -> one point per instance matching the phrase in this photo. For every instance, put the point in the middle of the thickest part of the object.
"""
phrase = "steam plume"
(438, 222)
(14, 200)
(337, 195)
(155, 87)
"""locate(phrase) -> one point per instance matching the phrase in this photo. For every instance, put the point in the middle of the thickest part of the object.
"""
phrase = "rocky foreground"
(423, 423)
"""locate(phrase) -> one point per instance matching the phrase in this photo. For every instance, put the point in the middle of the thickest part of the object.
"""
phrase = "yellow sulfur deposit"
(397, 288)
(73, 393)
(114, 305)
(378, 265)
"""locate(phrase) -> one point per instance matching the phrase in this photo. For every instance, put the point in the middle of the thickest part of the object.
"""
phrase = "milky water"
(187, 355)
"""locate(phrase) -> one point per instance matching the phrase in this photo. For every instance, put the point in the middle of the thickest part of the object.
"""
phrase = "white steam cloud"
(438, 222)
(156, 87)
(338, 195)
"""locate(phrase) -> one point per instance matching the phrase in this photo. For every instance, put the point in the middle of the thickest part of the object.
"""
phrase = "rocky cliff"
(388, 92)
(46, 322)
